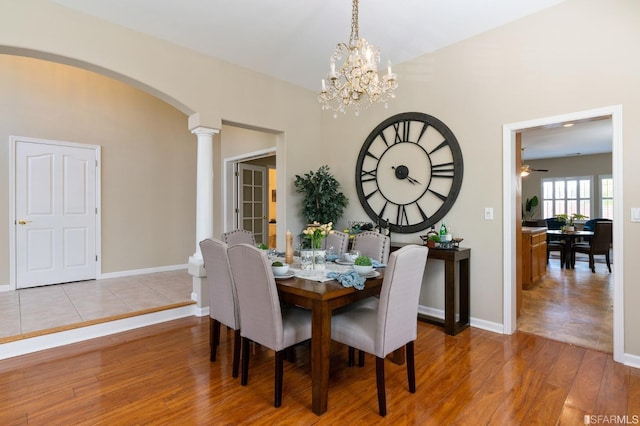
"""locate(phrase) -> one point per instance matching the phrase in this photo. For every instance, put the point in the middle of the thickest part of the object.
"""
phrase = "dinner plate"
(343, 262)
(285, 276)
(372, 274)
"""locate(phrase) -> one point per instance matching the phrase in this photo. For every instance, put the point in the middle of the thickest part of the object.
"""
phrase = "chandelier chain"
(353, 39)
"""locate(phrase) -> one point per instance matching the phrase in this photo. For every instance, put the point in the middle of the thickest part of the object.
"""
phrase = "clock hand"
(402, 172)
(412, 180)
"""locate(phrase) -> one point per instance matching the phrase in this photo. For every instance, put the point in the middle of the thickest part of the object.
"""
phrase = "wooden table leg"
(449, 297)
(320, 351)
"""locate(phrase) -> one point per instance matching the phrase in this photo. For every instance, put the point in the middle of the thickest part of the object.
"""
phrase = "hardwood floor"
(571, 305)
(161, 374)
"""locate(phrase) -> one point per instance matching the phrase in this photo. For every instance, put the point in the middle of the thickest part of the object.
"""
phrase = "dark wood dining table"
(322, 298)
(569, 238)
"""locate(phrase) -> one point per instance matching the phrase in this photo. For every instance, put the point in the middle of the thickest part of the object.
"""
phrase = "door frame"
(12, 202)
(509, 216)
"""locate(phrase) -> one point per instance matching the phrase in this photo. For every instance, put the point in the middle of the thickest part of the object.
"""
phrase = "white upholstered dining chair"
(223, 300)
(393, 323)
(263, 320)
(338, 240)
(239, 236)
(372, 244)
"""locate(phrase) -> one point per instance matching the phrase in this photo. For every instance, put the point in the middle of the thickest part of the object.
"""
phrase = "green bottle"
(443, 232)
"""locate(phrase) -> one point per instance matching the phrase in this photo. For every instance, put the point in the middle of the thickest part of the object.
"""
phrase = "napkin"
(332, 257)
(348, 279)
(377, 264)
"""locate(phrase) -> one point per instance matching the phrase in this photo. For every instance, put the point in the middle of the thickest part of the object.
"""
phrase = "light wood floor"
(161, 375)
(571, 305)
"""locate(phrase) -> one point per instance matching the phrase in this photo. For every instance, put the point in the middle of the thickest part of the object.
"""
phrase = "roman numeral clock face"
(409, 172)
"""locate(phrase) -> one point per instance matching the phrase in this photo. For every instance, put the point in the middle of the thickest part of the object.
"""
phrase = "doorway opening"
(511, 180)
(251, 202)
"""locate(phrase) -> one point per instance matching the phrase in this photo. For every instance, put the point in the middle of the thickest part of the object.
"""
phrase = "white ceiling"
(292, 39)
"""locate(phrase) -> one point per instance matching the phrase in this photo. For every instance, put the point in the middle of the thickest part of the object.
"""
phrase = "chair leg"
(277, 397)
(236, 353)
(360, 358)
(245, 362)
(411, 367)
(214, 337)
(382, 398)
(592, 263)
(608, 261)
(351, 352)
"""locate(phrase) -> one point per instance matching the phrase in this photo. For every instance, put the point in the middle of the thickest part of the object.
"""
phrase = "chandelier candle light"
(356, 83)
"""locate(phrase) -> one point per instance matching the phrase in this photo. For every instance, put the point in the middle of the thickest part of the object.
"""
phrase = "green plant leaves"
(323, 202)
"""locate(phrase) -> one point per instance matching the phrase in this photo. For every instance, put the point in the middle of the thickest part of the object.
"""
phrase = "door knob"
(23, 222)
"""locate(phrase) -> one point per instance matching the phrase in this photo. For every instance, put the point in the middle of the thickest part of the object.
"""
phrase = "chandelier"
(356, 82)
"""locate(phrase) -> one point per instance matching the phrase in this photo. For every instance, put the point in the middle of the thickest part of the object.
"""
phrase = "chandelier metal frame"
(356, 84)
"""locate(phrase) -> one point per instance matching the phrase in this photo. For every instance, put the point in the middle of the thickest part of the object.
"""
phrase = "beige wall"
(148, 157)
(572, 57)
(585, 165)
(576, 56)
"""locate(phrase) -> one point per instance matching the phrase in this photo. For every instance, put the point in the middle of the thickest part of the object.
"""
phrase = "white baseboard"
(132, 272)
(48, 341)
(473, 322)
(631, 360)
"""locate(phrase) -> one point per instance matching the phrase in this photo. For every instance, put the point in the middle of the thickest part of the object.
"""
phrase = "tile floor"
(41, 310)
(572, 306)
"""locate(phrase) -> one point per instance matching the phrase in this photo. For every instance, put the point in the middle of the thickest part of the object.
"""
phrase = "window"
(567, 195)
(606, 196)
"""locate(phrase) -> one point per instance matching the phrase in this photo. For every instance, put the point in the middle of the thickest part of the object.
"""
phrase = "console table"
(456, 261)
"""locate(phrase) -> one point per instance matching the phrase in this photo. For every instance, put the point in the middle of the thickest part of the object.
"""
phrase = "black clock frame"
(458, 169)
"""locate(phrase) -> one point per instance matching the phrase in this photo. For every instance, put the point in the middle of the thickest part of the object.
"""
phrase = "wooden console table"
(455, 261)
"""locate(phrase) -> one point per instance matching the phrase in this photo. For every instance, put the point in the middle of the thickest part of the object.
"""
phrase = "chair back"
(590, 225)
(338, 240)
(257, 296)
(373, 244)
(223, 299)
(398, 305)
(554, 223)
(239, 236)
(602, 238)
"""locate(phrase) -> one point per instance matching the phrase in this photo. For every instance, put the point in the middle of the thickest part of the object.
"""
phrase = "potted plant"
(530, 208)
(432, 240)
(569, 220)
(323, 202)
(363, 265)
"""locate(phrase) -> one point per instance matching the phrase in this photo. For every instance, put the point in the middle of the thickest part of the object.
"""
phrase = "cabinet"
(534, 255)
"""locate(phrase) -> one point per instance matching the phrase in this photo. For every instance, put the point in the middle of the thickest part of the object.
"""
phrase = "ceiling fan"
(525, 170)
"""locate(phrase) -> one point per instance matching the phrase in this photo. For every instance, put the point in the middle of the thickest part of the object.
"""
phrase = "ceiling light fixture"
(356, 82)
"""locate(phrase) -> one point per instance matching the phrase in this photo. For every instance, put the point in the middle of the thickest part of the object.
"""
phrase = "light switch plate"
(488, 213)
(635, 214)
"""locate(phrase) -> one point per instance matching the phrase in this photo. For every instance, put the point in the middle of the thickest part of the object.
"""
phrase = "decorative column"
(204, 213)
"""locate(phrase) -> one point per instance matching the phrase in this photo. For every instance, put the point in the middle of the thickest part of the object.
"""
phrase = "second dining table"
(569, 238)
(322, 298)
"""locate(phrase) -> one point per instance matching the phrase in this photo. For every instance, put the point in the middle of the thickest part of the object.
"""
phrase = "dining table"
(322, 298)
(569, 237)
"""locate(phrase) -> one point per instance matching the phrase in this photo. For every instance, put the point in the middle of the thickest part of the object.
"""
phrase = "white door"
(252, 200)
(55, 202)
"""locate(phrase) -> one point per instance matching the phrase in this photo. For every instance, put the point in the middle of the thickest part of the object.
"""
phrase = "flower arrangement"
(317, 232)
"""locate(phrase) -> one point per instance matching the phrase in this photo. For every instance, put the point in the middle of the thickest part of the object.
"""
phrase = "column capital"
(201, 130)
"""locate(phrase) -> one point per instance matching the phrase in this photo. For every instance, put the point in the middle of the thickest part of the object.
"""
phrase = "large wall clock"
(409, 172)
